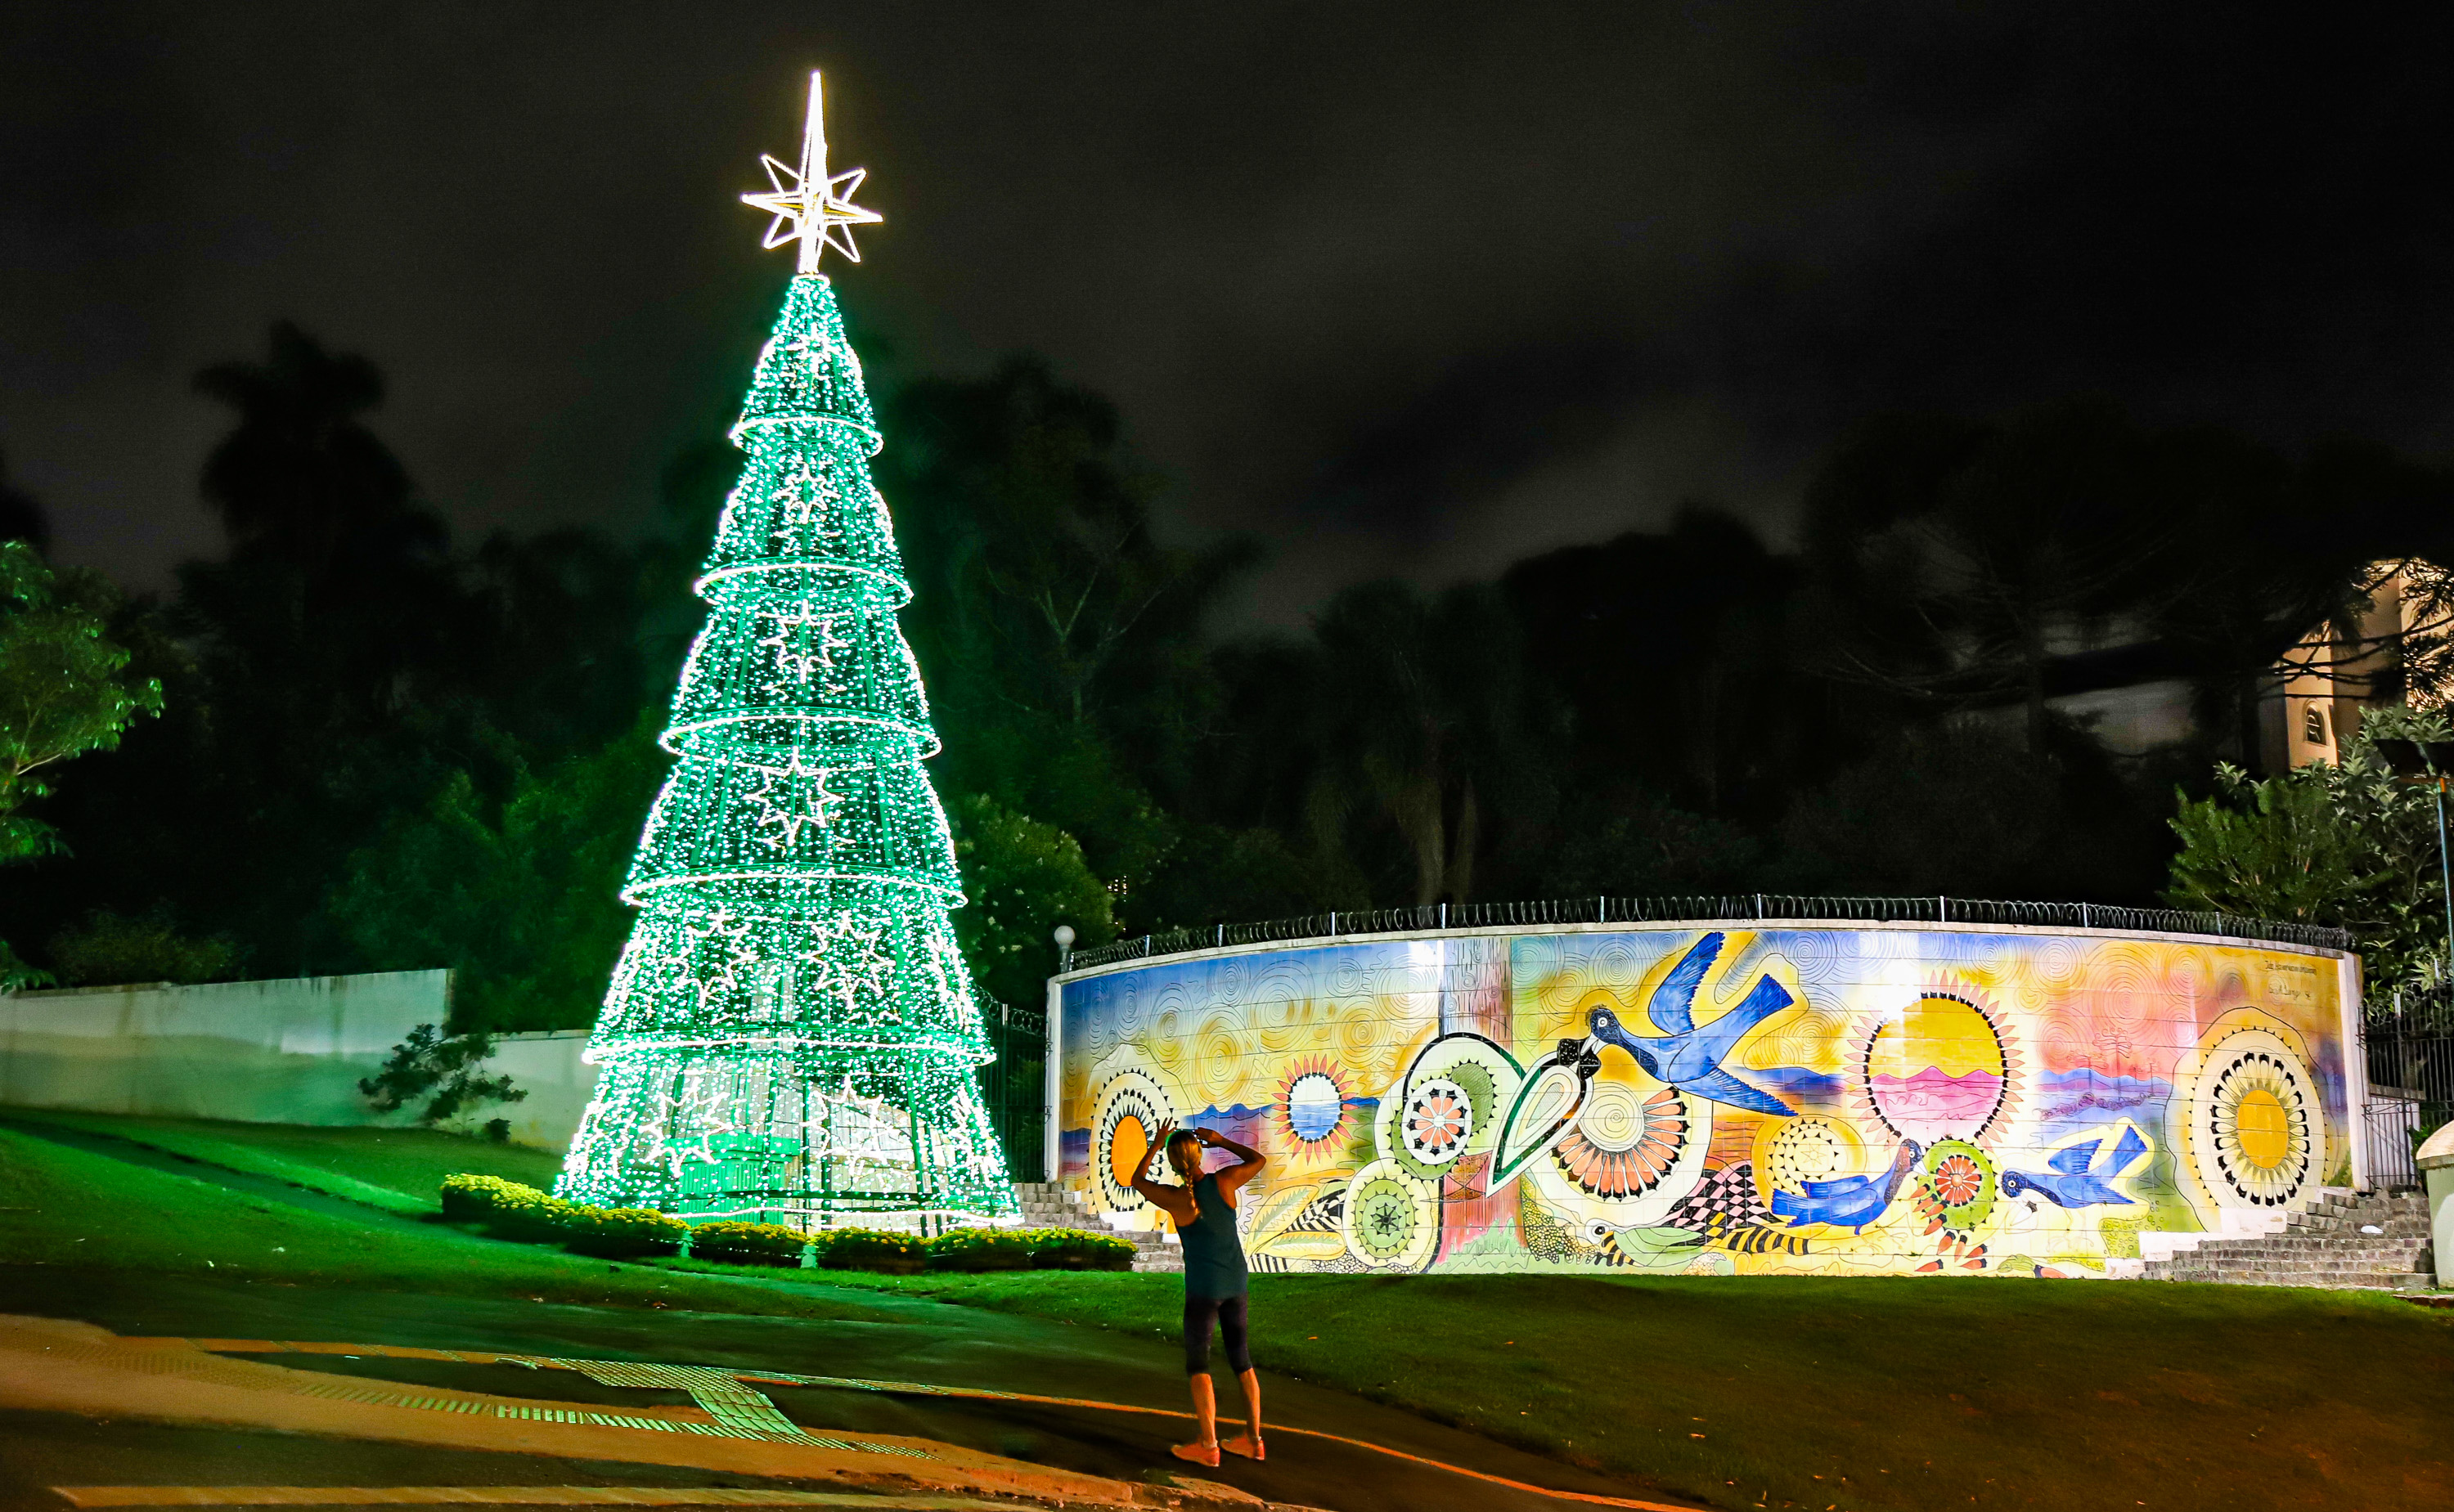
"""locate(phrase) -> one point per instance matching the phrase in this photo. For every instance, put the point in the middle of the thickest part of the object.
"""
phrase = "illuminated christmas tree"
(790, 1033)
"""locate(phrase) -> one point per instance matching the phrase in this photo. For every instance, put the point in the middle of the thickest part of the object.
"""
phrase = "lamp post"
(1063, 935)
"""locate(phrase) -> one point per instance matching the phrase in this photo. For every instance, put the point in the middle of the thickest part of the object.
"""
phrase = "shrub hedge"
(512, 1210)
(622, 1233)
(1079, 1249)
(979, 1249)
(873, 1249)
(749, 1243)
(508, 1209)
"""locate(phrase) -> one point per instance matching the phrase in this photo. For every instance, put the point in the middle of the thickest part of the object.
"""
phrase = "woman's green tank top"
(1214, 1255)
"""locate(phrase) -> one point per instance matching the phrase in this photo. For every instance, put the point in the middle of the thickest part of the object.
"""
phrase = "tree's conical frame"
(790, 1034)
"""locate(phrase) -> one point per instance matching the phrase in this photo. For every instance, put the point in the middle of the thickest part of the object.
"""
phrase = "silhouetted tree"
(21, 518)
(1060, 640)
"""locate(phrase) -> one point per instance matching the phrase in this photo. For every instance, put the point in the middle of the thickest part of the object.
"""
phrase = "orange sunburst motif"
(1310, 1107)
(1946, 1064)
(1614, 1162)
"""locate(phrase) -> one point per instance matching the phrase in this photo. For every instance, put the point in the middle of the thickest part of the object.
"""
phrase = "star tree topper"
(813, 209)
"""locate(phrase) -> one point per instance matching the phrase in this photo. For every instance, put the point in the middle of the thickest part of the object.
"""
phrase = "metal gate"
(1016, 1087)
(2408, 1045)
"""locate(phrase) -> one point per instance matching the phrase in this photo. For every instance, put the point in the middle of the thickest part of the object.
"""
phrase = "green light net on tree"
(790, 1034)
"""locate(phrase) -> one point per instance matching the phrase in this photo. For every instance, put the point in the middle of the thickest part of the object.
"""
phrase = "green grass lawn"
(1923, 1393)
(1906, 1394)
(61, 1206)
(397, 1169)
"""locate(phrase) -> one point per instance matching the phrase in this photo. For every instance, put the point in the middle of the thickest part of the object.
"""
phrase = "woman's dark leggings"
(1229, 1313)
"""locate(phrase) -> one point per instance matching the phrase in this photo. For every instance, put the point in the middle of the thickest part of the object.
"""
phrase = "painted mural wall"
(1723, 1101)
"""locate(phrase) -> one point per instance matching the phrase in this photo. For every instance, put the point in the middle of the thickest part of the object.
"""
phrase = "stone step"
(2387, 1283)
(2371, 1210)
(2300, 1262)
(2308, 1274)
(2272, 1265)
(1053, 1205)
(2329, 1237)
(2337, 1237)
(2300, 1267)
(2408, 1282)
(2320, 1245)
(2405, 1258)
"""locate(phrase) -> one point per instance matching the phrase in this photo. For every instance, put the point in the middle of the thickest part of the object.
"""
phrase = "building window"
(2313, 723)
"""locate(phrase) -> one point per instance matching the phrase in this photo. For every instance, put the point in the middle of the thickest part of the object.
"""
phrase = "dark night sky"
(1414, 287)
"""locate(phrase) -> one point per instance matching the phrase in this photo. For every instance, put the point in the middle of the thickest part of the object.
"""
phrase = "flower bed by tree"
(510, 1210)
(739, 1244)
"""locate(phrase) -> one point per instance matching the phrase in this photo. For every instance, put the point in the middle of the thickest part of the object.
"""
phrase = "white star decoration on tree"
(804, 493)
(844, 960)
(814, 353)
(813, 207)
(722, 924)
(782, 804)
(863, 1133)
(732, 949)
(790, 659)
(706, 1113)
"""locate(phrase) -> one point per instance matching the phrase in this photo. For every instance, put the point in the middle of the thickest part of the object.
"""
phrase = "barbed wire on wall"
(1738, 907)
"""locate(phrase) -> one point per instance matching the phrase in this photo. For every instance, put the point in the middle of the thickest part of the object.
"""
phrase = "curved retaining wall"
(1723, 1099)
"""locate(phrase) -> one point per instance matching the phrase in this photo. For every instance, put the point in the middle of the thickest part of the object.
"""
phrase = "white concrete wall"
(262, 1052)
(265, 1052)
(558, 1084)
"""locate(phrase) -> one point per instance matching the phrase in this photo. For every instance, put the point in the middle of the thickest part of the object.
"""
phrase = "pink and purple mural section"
(1722, 1100)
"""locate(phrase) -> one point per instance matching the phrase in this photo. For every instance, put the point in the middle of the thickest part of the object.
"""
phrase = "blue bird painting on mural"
(1689, 1058)
(1851, 1203)
(2078, 1180)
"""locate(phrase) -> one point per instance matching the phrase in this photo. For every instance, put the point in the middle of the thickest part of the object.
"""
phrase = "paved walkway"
(1042, 1410)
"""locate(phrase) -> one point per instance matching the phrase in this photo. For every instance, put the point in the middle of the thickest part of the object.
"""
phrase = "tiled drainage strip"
(603, 1420)
(739, 1412)
(85, 1495)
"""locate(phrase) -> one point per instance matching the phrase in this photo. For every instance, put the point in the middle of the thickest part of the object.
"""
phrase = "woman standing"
(1204, 1210)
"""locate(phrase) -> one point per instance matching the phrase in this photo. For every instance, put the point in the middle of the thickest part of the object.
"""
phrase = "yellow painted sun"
(1937, 1067)
(1937, 1033)
(1125, 1148)
(2263, 1128)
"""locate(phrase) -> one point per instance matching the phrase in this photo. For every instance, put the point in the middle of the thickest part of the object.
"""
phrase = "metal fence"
(1015, 1087)
(2407, 1042)
(1736, 907)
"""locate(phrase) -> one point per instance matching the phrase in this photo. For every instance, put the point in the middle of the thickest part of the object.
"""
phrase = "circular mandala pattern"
(1790, 1152)
(2254, 1122)
(1475, 1081)
(1482, 1071)
(1632, 1150)
(1960, 1183)
(1437, 1120)
(1623, 1144)
(1616, 1117)
(1392, 1218)
(1127, 1115)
